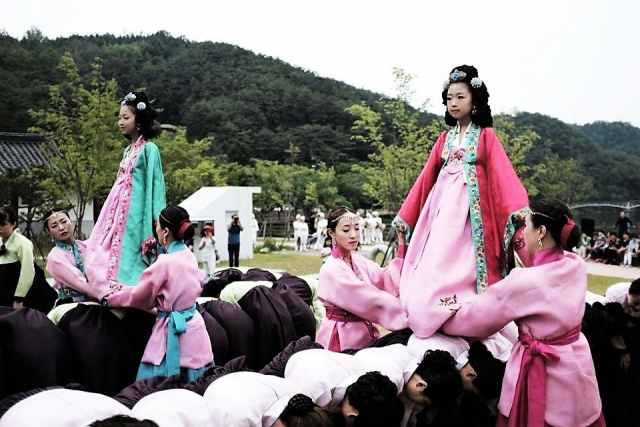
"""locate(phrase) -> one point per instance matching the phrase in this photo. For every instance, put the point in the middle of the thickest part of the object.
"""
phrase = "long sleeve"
(339, 286)
(27, 270)
(67, 274)
(142, 296)
(387, 278)
(490, 311)
(155, 191)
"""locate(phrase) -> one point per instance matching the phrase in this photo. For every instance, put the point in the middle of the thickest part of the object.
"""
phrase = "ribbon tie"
(529, 403)
(177, 325)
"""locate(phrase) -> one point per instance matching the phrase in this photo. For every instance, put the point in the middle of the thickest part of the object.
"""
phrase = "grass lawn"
(295, 264)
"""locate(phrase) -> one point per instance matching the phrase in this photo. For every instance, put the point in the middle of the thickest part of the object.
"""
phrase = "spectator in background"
(597, 252)
(583, 245)
(623, 223)
(632, 250)
(234, 229)
(208, 250)
(622, 247)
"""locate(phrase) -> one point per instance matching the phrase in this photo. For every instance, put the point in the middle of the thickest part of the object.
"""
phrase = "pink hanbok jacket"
(171, 283)
(374, 299)
(546, 301)
(61, 265)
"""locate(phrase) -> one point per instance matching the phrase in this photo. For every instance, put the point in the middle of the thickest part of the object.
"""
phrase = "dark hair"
(47, 215)
(176, 219)
(375, 397)
(444, 385)
(489, 370)
(8, 215)
(144, 117)
(336, 213)
(123, 421)
(555, 215)
(634, 288)
(479, 97)
(302, 412)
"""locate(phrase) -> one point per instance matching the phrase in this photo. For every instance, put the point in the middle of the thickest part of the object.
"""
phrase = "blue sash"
(177, 325)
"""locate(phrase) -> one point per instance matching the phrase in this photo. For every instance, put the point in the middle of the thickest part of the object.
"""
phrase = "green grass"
(599, 284)
(295, 264)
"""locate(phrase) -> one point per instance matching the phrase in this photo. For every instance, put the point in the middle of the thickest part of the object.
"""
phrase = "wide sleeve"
(142, 296)
(385, 278)
(155, 193)
(339, 286)
(487, 313)
(27, 269)
(59, 267)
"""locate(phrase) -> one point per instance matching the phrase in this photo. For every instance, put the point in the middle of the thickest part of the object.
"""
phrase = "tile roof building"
(19, 150)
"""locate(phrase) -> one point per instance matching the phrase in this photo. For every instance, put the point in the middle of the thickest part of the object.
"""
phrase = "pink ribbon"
(529, 402)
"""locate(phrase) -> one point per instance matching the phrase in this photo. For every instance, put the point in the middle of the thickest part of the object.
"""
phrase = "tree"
(81, 121)
(186, 166)
(400, 142)
(30, 185)
(518, 142)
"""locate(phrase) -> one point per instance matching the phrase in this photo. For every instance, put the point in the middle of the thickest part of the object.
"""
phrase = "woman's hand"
(401, 239)
(17, 305)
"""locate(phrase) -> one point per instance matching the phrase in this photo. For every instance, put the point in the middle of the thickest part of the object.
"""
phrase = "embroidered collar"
(73, 249)
(176, 246)
(546, 256)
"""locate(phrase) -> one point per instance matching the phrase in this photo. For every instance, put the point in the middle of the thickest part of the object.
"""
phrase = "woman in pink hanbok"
(357, 292)
(114, 251)
(463, 211)
(179, 342)
(550, 378)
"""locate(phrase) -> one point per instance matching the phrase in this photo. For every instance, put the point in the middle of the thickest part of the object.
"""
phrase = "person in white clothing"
(208, 250)
(321, 231)
(378, 227)
(296, 232)
(255, 227)
(304, 233)
(368, 229)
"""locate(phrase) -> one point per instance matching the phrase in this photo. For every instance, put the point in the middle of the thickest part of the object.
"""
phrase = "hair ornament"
(130, 97)
(457, 76)
(141, 106)
(476, 82)
(349, 216)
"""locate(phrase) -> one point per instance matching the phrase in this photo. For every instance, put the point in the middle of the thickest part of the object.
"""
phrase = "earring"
(333, 241)
(138, 128)
(473, 110)
(539, 243)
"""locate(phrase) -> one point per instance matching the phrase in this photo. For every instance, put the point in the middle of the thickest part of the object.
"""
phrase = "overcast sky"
(577, 60)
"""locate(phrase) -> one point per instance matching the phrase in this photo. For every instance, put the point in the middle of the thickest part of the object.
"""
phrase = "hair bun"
(300, 404)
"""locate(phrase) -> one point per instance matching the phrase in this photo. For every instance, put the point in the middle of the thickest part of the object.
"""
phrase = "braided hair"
(302, 412)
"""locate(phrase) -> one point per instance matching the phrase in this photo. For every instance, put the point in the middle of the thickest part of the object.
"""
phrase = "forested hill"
(253, 105)
(616, 136)
(260, 108)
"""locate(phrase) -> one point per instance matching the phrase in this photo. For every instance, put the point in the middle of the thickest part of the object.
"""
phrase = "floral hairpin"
(456, 76)
(128, 98)
(476, 82)
(141, 106)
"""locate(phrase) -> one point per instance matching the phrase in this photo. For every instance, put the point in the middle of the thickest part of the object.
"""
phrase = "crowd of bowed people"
(449, 333)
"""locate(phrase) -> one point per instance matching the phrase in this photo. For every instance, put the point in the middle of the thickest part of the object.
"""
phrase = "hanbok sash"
(177, 325)
(339, 315)
(531, 390)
